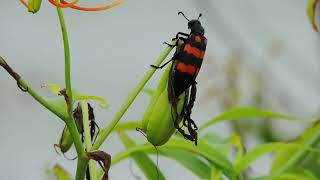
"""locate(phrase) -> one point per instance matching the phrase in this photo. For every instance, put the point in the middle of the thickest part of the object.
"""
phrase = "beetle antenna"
(183, 15)
(199, 16)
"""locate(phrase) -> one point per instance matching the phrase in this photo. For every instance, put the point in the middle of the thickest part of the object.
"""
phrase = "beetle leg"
(96, 125)
(185, 107)
(160, 67)
(170, 45)
(192, 127)
(182, 34)
(176, 44)
(82, 138)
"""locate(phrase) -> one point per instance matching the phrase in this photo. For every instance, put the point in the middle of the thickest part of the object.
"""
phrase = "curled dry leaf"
(104, 160)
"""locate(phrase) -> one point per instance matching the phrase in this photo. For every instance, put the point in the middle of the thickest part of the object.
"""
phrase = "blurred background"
(260, 53)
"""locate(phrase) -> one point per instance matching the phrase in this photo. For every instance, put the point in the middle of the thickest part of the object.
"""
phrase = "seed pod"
(66, 141)
(34, 5)
(158, 120)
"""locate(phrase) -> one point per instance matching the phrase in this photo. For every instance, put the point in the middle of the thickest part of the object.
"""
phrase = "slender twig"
(82, 160)
(66, 57)
(82, 165)
(34, 94)
(87, 137)
(106, 131)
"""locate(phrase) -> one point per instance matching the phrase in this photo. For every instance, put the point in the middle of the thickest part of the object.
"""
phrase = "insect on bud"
(158, 120)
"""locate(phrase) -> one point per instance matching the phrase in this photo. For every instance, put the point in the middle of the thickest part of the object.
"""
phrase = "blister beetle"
(187, 61)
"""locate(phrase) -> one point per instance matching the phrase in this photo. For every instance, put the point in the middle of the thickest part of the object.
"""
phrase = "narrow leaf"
(263, 149)
(291, 157)
(60, 173)
(293, 174)
(188, 160)
(247, 113)
(146, 165)
(216, 174)
(203, 150)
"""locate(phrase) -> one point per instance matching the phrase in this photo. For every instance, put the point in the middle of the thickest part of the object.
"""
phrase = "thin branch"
(106, 131)
(87, 137)
(28, 89)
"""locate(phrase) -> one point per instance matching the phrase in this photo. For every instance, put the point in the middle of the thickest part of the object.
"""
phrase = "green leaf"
(263, 149)
(294, 174)
(220, 144)
(103, 103)
(56, 89)
(203, 150)
(149, 91)
(245, 113)
(188, 160)
(60, 173)
(216, 174)
(53, 87)
(59, 104)
(236, 140)
(146, 165)
(291, 157)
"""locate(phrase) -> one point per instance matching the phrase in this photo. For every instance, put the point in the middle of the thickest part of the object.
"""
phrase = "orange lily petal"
(100, 8)
(63, 5)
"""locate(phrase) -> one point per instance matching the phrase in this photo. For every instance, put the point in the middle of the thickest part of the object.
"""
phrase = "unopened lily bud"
(66, 141)
(158, 120)
(34, 5)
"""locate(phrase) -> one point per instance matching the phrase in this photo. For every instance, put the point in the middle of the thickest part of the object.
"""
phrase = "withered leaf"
(104, 158)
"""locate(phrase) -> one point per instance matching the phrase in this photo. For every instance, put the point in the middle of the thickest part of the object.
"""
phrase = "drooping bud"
(65, 141)
(34, 5)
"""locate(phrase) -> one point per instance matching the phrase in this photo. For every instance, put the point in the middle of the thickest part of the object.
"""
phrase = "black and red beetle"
(187, 61)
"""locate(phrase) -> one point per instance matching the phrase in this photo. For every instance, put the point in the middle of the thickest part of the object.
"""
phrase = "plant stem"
(66, 57)
(34, 94)
(82, 160)
(42, 101)
(107, 130)
(87, 137)
(82, 165)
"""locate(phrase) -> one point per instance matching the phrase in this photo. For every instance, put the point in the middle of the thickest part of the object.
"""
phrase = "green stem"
(82, 160)
(42, 101)
(34, 94)
(87, 137)
(104, 133)
(300, 154)
(82, 165)
(67, 59)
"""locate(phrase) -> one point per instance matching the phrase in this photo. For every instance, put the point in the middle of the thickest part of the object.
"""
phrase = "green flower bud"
(158, 122)
(162, 86)
(34, 5)
(66, 141)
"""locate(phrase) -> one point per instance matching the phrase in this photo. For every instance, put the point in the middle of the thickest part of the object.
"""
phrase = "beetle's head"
(194, 25)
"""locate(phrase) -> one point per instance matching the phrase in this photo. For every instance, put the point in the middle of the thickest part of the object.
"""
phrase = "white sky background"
(112, 50)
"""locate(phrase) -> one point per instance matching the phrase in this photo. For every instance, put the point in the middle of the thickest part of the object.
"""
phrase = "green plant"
(209, 160)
